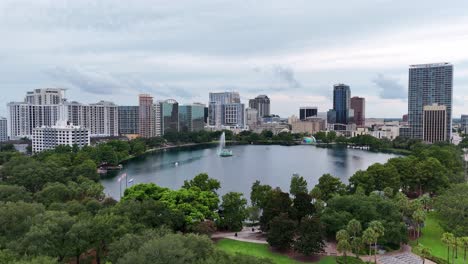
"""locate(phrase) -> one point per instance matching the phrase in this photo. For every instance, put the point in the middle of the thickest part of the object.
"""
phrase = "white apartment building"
(3, 129)
(24, 117)
(102, 118)
(49, 137)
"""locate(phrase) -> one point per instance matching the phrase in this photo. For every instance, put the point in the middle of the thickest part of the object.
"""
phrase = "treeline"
(53, 210)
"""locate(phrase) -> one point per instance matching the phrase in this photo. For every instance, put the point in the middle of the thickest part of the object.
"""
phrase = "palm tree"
(424, 252)
(419, 216)
(447, 239)
(342, 235)
(379, 232)
(464, 244)
(368, 237)
(425, 200)
(343, 246)
(354, 227)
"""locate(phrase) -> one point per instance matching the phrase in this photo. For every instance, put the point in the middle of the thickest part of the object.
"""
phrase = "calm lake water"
(273, 165)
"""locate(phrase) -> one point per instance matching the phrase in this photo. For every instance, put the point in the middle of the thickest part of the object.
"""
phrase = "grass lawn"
(431, 235)
(261, 250)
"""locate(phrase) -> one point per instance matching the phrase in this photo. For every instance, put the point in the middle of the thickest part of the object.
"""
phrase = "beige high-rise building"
(435, 123)
(146, 116)
(310, 126)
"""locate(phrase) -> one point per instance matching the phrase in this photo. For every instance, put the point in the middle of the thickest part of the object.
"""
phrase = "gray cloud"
(390, 88)
(286, 74)
(89, 81)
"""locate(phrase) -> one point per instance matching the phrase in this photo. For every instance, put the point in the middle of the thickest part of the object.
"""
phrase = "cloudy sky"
(294, 51)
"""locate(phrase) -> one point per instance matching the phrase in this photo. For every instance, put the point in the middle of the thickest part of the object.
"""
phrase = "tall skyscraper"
(146, 115)
(3, 129)
(341, 103)
(434, 123)
(306, 112)
(358, 104)
(251, 118)
(128, 120)
(191, 117)
(169, 116)
(262, 104)
(225, 109)
(429, 84)
(464, 123)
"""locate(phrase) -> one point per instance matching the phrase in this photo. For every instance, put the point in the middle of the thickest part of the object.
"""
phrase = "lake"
(273, 165)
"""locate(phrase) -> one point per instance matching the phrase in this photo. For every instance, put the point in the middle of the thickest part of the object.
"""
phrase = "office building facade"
(169, 112)
(225, 110)
(464, 123)
(191, 117)
(262, 104)
(128, 120)
(435, 123)
(358, 104)
(251, 118)
(306, 112)
(3, 129)
(146, 116)
(429, 84)
(342, 103)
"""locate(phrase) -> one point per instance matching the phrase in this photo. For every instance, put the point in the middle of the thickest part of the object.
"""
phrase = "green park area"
(431, 239)
(261, 251)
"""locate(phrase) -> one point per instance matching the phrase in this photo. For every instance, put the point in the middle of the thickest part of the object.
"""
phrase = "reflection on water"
(273, 165)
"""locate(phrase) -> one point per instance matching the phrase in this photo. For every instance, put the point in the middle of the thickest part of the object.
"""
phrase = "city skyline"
(292, 53)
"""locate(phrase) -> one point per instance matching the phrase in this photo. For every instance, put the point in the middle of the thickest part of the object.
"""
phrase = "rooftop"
(430, 65)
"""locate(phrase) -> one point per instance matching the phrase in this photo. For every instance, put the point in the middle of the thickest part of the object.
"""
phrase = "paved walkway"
(246, 235)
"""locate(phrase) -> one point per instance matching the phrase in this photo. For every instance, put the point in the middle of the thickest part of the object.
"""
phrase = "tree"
(54, 192)
(329, 186)
(447, 239)
(464, 244)
(207, 228)
(14, 193)
(87, 169)
(302, 206)
(232, 211)
(379, 231)
(369, 236)
(354, 228)
(80, 237)
(384, 176)
(451, 209)
(343, 246)
(253, 213)
(278, 202)
(281, 232)
(298, 185)
(48, 236)
(424, 253)
(203, 182)
(259, 194)
(310, 236)
(419, 216)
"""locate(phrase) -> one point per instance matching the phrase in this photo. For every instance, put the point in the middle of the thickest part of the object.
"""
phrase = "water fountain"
(222, 150)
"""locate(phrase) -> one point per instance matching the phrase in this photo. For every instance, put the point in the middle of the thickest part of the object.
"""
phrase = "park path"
(402, 256)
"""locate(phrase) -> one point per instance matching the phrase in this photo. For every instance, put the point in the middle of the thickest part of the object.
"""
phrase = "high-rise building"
(49, 137)
(306, 112)
(331, 116)
(101, 119)
(405, 118)
(24, 117)
(429, 84)
(464, 123)
(434, 123)
(128, 120)
(342, 103)
(169, 116)
(45, 96)
(310, 126)
(146, 116)
(3, 129)
(358, 104)
(262, 104)
(225, 109)
(251, 118)
(191, 117)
